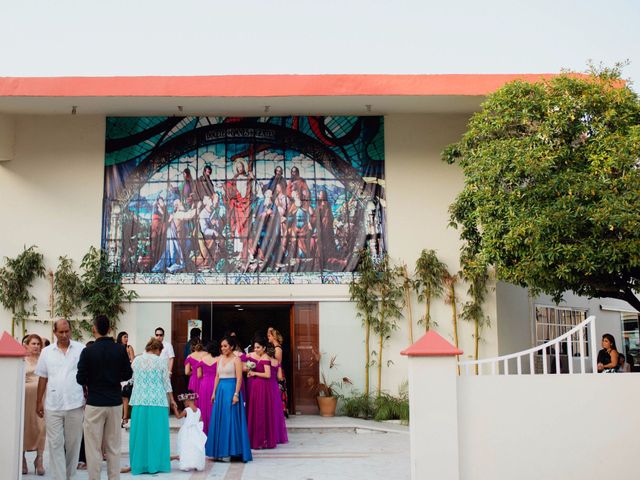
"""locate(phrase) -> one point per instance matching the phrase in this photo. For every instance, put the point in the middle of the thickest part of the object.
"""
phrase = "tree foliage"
(67, 289)
(428, 283)
(16, 279)
(362, 292)
(552, 187)
(102, 289)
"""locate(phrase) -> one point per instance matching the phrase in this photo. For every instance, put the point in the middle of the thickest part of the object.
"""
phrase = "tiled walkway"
(318, 449)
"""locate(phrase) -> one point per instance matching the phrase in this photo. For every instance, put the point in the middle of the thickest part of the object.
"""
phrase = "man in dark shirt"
(101, 368)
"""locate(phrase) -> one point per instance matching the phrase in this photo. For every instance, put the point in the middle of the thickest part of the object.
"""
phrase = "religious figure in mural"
(239, 192)
(183, 221)
(266, 233)
(212, 228)
(325, 241)
(300, 229)
(158, 229)
(277, 179)
(204, 186)
(299, 185)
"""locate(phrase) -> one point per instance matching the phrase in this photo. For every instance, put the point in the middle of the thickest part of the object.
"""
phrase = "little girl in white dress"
(191, 438)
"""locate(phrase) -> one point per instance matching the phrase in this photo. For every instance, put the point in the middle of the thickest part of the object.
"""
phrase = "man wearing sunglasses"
(167, 352)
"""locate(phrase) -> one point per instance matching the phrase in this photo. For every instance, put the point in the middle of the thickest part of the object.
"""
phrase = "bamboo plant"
(450, 299)
(475, 274)
(102, 289)
(16, 279)
(362, 290)
(429, 273)
(407, 288)
(67, 287)
(390, 303)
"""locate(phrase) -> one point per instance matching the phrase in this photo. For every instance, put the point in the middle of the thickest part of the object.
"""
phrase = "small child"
(191, 438)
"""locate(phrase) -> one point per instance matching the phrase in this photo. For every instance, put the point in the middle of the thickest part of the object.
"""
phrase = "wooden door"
(306, 357)
(181, 313)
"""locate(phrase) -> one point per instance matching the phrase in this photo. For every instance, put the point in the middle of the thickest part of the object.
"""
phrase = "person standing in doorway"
(167, 349)
(100, 370)
(62, 408)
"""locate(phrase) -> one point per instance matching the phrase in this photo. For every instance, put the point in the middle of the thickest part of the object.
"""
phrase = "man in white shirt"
(63, 406)
(167, 350)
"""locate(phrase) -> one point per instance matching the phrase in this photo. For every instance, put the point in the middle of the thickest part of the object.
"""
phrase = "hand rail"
(587, 325)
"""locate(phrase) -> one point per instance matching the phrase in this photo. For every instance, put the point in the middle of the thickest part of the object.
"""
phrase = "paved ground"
(318, 449)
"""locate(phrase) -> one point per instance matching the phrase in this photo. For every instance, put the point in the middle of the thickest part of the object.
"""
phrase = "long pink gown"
(260, 409)
(194, 381)
(278, 413)
(205, 390)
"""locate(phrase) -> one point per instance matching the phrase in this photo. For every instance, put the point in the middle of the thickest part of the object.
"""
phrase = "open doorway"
(297, 322)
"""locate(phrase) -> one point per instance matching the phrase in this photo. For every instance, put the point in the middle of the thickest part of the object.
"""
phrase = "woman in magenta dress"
(191, 364)
(260, 408)
(278, 413)
(207, 369)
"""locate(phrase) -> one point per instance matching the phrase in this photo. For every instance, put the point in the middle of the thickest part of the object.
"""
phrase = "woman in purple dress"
(191, 364)
(207, 369)
(278, 413)
(260, 408)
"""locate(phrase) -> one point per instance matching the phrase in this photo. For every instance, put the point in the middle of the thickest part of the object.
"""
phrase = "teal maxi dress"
(149, 435)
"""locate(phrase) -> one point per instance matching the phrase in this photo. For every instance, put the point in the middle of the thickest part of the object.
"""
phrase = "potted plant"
(327, 397)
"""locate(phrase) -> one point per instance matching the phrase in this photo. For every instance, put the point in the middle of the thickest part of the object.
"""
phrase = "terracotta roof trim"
(262, 85)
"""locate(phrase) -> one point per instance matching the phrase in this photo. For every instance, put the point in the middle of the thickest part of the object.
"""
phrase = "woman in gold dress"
(34, 427)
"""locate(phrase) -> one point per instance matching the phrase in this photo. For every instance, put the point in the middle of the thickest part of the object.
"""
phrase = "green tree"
(102, 289)
(363, 293)
(16, 279)
(67, 288)
(429, 275)
(552, 187)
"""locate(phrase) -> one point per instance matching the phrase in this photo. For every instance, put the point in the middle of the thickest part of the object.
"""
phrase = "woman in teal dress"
(152, 395)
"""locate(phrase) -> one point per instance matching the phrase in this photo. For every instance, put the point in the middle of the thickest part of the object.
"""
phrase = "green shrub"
(379, 408)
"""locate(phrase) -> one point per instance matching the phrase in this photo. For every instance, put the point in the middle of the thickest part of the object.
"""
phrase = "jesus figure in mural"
(239, 191)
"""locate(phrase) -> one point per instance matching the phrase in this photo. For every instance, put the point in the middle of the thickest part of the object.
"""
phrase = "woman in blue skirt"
(152, 395)
(228, 435)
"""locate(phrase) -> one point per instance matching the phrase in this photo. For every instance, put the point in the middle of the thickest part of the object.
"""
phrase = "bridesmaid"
(275, 338)
(227, 435)
(260, 408)
(34, 426)
(278, 413)
(191, 364)
(207, 374)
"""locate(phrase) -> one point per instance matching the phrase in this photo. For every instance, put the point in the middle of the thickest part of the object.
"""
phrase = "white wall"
(52, 197)
(555, 427)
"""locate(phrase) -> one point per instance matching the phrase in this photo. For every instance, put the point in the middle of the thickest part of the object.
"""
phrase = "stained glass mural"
(227, 200)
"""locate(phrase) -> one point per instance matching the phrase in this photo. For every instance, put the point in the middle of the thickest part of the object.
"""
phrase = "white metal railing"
(588, 328)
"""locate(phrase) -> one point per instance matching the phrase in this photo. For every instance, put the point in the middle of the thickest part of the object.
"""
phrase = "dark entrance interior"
(247, 321)
(297, 322)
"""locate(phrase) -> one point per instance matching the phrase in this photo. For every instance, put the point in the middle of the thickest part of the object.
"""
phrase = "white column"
(433, 406)
(7, 137)
(11, 406)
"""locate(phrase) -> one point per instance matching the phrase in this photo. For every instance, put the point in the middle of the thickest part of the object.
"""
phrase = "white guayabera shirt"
(59, 368)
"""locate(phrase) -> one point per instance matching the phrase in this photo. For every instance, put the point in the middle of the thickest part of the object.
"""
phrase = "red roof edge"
(262, 85)
(431, 345)
(10, 347)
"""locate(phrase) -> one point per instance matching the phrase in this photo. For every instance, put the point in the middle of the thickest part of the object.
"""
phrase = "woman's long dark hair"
(120, 335)
(612, 340)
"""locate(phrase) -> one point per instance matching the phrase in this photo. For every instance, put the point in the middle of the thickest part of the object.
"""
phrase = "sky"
(214, 37)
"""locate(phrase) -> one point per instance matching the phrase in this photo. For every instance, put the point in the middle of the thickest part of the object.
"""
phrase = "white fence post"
(433, 406)
(12, 405)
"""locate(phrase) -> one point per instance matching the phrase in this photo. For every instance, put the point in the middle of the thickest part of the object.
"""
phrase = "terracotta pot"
(327, 406)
